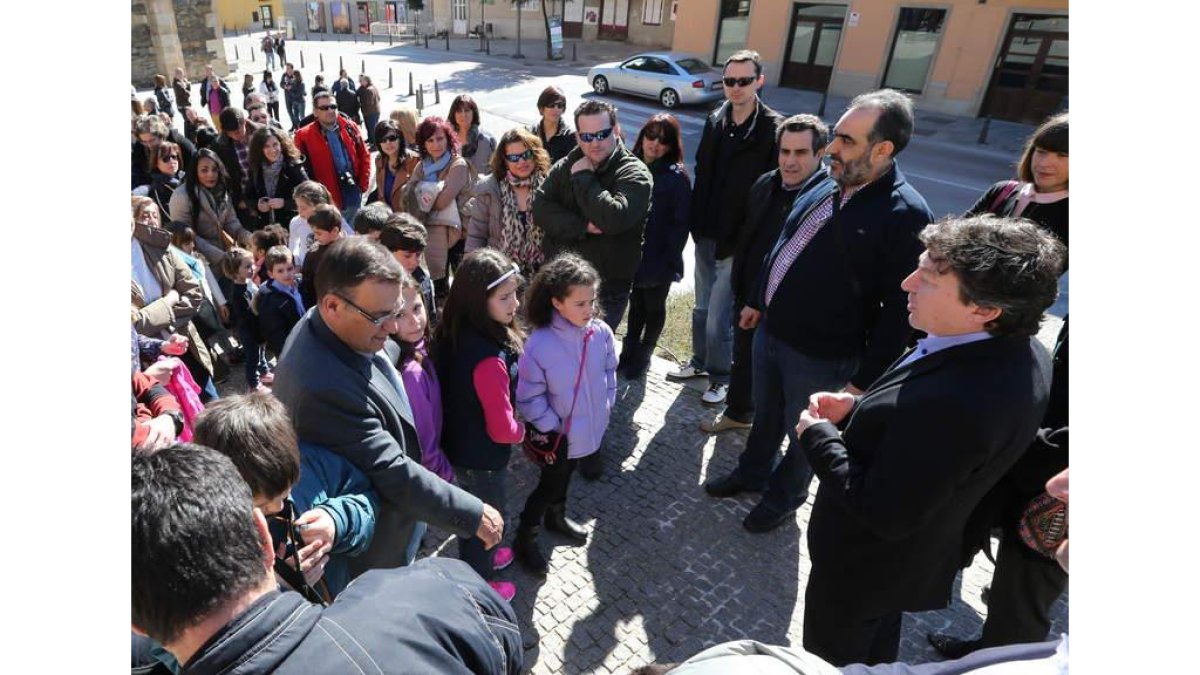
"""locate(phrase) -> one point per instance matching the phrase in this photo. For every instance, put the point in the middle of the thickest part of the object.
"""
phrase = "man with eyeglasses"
(338, 379)
(738, 146)
(335, 154)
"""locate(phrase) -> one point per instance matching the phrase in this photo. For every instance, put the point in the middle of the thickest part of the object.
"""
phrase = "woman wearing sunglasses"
(501, 213)
(166, 174)
(394, 165)
(557, 136)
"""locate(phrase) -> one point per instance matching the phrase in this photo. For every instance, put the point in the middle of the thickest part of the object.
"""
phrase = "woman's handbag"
(541, 447)
(1043, 525)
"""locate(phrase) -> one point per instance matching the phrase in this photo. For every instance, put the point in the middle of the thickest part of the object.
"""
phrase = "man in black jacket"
(829, 294)
(233, 147)
(203, 588)
(927, 440)
(738, 146)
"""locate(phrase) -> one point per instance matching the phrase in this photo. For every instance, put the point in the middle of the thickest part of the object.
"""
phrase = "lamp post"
(518, 4)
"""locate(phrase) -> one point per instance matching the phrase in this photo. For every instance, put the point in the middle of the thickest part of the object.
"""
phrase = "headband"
(504, 276)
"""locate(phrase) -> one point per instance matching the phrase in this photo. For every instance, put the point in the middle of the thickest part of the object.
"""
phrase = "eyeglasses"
(327, 107)
(376, 321)
(168, 158)
(738, 81)
(561, 105)
(652, 135)
(597, 136)
(528, 154)
(389, 139)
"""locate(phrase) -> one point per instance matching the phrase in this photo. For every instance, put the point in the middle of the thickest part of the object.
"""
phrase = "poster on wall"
(591, 16)
(556, 38)
(339, 12)
(316, 17)
(364, 18)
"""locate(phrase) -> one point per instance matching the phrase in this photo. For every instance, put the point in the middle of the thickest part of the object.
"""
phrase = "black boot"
(592, 466)
(527, 551)
(628, 357)
(557, 521)
(639, 362)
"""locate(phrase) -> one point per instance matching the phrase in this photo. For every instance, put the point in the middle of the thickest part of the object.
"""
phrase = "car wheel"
(669, 98)
(600, 85)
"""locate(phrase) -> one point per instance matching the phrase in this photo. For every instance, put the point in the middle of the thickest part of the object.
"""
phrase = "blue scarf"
(431, 168)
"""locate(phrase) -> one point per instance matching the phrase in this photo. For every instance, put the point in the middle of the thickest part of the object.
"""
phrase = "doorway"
(614, 20)
(458, 12)
(573, 19)
(264, 13)
(812, 46)
(1029, 82)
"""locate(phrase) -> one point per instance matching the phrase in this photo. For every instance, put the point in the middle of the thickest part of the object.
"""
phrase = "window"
(731, 31)
(652, 11)
(693, 66)
(658, 66)
(635, 64)
(917, 34)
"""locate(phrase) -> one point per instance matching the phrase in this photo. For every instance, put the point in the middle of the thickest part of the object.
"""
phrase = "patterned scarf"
(270, 173)
(520, 238)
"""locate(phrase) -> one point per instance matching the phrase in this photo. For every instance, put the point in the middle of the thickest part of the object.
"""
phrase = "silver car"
(671, 77)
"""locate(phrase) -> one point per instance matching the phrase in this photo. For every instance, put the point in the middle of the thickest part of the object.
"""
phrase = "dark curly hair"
(430, 126)
(554, 282)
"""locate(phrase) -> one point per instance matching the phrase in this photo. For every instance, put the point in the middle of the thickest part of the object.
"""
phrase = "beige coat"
(484, 213)
(208, 225)
(163, 314)
(441, 238)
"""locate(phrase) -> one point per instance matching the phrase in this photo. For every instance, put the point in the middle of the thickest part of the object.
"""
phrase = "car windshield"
(694, 66)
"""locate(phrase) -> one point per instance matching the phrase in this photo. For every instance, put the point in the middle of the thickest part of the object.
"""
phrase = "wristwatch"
(177, 418)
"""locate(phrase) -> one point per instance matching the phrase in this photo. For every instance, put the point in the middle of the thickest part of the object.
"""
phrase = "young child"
(237, 265)
(371, 218)
(567, 384)
(262, 241)
(478, 342)
(308, 195)
(405, 237)
(214, 311)
(326, 223)
(278, 303)
(320, 508)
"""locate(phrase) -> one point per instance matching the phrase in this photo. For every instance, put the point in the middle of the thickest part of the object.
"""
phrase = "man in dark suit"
(928, 439)
(338, 380)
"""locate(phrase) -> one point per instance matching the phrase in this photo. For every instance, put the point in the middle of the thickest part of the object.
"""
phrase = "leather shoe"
(952, 648)
(556, 521)
(728, 485)
(763, 519)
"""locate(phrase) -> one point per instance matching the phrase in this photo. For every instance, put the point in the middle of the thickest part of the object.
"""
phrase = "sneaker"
(722, 422)
(267, 378)
(504, 589)
(715, 394)
(503, 557)
(687, 372)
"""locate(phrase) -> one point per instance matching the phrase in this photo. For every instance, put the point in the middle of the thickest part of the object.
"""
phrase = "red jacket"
(149, 399)
(310, 141)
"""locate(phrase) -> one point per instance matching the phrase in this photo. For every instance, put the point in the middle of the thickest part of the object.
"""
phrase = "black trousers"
(273, 108)
(739, 401)
(841, 636)
(551, 490)
(647, 315)
(1024, 587)
(614, 298)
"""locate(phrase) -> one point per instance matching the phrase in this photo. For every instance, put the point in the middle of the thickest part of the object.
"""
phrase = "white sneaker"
(715, 394)
(686, 372)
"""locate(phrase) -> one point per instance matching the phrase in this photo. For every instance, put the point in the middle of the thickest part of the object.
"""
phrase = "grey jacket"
(342, 400)
(484, 228)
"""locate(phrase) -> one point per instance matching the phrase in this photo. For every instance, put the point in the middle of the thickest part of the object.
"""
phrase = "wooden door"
(614, 19)
(573, 19)
(1029, 82)
(812, 47)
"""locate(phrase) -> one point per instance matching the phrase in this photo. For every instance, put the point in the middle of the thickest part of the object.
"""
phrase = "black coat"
(920, 449)
(291, 176)
(666, 227)
(719, 195)
(224, 95)
(558, 145)
(228, 154)
(277, 315)
(435, 616)
(763, 224)
(1052, 217)
(142, 173)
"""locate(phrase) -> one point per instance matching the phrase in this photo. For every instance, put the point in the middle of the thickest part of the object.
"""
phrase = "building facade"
(170, 34)
(249, 15)
(1004, 58)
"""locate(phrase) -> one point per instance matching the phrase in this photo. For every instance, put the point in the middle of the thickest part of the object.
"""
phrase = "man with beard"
(832, 311)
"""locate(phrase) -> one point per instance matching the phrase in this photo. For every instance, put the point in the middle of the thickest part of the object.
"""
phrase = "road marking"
(943, 181)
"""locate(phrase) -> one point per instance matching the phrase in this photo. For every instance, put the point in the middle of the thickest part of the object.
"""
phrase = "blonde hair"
(405, 117)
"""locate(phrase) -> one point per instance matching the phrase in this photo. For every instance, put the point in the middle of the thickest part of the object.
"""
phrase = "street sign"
(556, 38)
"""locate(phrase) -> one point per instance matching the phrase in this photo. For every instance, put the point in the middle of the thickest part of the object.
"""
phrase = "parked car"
(673, 78)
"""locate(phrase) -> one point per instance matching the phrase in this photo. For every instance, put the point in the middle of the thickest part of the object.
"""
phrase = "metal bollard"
(364, 66)
(983, 132)
(390, 85)
(322, 56)
(341, 66)
(389, 37)
(251, 53)
(410, 83)
(447, 40)
(354, 34)
(821, 109)
(236, 56)
(301, 58)
(437, 97)
(488, 45)
(421, 98)
(370, 36)
(427, 41)
(574, 54)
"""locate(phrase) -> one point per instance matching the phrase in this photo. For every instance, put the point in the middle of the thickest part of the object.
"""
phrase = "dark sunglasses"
(598, 136)
(528, 154)
(389, 139)
(652, 136)
(168, 158)
(327, 107)
(738, 81)
(561, 105)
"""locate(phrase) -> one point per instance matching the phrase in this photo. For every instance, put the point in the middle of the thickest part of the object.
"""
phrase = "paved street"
(667, 571)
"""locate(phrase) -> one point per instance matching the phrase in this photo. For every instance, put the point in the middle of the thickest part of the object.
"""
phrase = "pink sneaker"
(504, 589)
(503, 557)
(268, 378)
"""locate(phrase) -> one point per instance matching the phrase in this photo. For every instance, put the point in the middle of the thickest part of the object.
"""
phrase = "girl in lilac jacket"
(561, 306)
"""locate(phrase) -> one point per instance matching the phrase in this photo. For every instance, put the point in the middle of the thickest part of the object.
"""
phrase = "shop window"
(913, 49)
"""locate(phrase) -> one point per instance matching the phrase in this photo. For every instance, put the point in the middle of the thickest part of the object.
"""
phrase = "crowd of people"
(411, 299)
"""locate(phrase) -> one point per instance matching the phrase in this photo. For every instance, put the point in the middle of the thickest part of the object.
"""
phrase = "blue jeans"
(370, 121)
(712, 331)
(254, 357)
(488, 486)
(351, 203)
(783, 380)
(295, 110)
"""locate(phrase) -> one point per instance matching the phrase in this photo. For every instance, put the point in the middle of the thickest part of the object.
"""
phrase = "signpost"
(556, 38)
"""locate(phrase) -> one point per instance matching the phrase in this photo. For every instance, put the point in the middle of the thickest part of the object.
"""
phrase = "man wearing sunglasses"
(336, 155)
(738, 146)
(338, 380)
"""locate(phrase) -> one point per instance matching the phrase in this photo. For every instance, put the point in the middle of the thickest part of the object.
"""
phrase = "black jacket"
(920, 449)
(758, 234)
(228, 154)
(291, 176)
(666, 227)
(558, 145)
(435, 616)
(139, 161)
(847, 280)
(224, 95)
(277, 315)
(466, 441)
(1053, 216)
(719, 195)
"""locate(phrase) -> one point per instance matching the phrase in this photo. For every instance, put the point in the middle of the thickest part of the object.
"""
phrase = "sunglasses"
(598, 136)
(561, 105)
(738, 81)
(327, 107)
(652, 136)
(389, 139)
(528, 154)
(168, 158)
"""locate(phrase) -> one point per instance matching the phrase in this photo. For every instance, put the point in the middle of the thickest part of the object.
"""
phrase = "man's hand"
(830, 406)
(264, 205)
(317, 525)
(161, 370)
(223, 313)
(176, 345)
(582, 164)
(313, 558)
(592, 229)
(851, 389)
(491, 527)
(276, 203)
(807, 419)
(162, 434)
(749, 318)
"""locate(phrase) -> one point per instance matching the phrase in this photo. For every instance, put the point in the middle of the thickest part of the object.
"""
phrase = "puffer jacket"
(546, 382)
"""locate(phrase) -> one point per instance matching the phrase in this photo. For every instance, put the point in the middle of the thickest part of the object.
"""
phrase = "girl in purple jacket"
(568, 370)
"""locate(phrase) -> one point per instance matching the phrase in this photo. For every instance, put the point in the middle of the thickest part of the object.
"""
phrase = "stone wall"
(166, 34)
